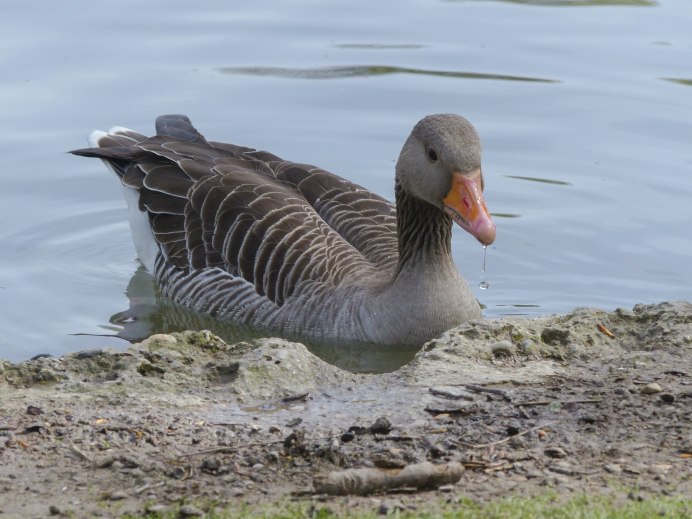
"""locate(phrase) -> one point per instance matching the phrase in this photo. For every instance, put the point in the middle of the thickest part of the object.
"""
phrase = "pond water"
(584, 109)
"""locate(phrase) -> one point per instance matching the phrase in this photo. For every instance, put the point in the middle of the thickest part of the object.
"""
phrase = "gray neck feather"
(424, 232)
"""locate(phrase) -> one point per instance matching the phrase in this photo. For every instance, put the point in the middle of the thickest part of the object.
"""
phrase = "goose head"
(440, 164)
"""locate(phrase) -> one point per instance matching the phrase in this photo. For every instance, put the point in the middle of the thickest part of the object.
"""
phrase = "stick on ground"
(369, 480)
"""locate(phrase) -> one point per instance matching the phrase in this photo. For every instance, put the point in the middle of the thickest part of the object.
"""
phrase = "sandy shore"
(591, 401)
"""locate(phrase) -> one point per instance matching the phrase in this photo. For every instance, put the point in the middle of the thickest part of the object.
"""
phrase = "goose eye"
(432, 154)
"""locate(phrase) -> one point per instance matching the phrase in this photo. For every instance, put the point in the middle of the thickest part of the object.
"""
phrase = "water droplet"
(484, 285)
(485, 252)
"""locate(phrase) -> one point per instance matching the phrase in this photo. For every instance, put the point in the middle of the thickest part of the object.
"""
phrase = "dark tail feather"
(106, 153)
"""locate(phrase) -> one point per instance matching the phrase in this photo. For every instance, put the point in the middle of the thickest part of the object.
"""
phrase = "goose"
(291, 248)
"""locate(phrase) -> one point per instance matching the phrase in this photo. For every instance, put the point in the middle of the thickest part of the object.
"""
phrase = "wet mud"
(592, 401)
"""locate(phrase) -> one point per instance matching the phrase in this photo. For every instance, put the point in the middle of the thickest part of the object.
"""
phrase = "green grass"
(549, 507)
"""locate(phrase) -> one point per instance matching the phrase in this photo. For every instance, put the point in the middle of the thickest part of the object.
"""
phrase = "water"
(584, 109)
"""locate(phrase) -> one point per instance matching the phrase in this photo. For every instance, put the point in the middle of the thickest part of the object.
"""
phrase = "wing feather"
(284, 227)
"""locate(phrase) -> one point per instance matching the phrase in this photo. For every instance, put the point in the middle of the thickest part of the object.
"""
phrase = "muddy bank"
(590, 401)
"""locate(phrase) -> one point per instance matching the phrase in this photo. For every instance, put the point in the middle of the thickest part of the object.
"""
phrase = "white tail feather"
(142, 235)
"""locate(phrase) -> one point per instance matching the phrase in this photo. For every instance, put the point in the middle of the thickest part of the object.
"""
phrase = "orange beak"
(465, 204)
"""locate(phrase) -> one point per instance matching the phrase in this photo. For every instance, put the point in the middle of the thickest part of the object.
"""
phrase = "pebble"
(117, 495)
(651, 389)
(54, 510)
(273, 456)
(294, 422)
(502, 348)
(613, 468)
(236, 491)
(668, 398)
(660, 468)
(88, 354)
(381, 426)
(347, 437)
(526, 346)
(388, 462)
(562, 467)
(190, 511)
(211, 464)
(33, 410)
(161, 338)
(555, 452)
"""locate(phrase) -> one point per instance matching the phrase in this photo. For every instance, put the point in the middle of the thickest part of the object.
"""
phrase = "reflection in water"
(578, 3)
(150, 313)
(515, 310)
(367, 70)
(542, 180)
(679, 81)
(379, 46)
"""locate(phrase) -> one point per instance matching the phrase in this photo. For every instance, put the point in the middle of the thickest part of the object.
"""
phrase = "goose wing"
(277, 224)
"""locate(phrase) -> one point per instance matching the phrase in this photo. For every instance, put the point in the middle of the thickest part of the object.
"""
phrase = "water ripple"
(368, 70)
(578, 3)
(542, 180)
(679, 81)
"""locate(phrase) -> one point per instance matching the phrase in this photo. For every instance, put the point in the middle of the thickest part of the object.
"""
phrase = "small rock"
(381, 426)
(257, 466)
(88, 354)
(159, 339)
(533, 473)
(555, 336)
(54, 510)
(190, 511)
(555, 452)
(668, 398)
(660, 468)
(117, 495)
(347, 437)
(236, 491)
(211, 465)
(388, 460)
(176, 473)
(613, 468)
(437, 451)
(502, 348)
(294, 422)
(33, 410)
(155, 508)
(295, 442)
(273, 456)
(512, 430)
(358, 430)
(562, 467)
(651, 389)
(526, 346)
